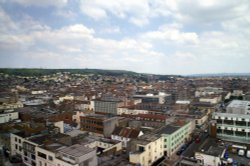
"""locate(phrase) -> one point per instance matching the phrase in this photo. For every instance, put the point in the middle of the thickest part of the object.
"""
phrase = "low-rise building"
(125, 134)
(147, 150)
(107, 105)
(8, 116)
(53, 149)
(99, 124)
(174, 135)
(5, 106)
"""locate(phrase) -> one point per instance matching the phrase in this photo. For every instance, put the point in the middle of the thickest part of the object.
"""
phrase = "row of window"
(91, 122)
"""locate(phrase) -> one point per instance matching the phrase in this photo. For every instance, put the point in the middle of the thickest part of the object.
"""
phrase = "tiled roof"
(126, 132)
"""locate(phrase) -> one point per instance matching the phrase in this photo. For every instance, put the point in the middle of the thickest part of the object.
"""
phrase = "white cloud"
(42, 3)
(6, 21)
(183, 44)
(135, 11)
(171, 33)
(66, 14)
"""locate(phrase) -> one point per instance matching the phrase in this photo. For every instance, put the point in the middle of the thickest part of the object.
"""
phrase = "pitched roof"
(126, 132)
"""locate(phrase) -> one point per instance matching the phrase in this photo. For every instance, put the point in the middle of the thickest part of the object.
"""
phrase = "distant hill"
(41, 72)
(219, 75)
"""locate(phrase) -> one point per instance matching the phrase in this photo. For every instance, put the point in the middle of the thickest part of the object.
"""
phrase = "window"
(72, 158)
(33, 156)
(20, 148)
(19, 140)
(33, 163)
(16, 146)
(16, 139)
(50, 158)
(42, 155)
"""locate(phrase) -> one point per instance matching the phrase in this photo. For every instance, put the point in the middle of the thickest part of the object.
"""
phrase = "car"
(241, 152)
(235, 163)
(197, 140)
(248, 154)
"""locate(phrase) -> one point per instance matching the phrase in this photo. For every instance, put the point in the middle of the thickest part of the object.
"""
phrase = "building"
(53, 149)
(99, 124)
(213, 99)
(5, 106)
(246, 96)
(124, 135)
(160, 98)
(175, 135)
(107, 105)
(204, 91)
(147, 150)
(8, 116)
(210, 154)
(75, 155)
(234, 124)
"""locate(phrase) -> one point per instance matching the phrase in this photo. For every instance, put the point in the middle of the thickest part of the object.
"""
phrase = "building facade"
(234, 124)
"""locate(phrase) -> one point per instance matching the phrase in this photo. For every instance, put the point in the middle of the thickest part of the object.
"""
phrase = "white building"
(234, 124)
(124, 135)
(75, 155)
(148, 149)
(37, 150)
(8, 115)
(211, 156)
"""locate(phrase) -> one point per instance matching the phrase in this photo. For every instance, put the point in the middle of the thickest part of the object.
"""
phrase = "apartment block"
(175, 135)
(234, 124)
(107, 105)
(100, 124)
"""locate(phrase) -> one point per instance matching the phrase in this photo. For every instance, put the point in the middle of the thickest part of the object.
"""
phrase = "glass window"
(50, 158)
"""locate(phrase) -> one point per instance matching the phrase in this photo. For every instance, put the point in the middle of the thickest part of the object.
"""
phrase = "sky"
(146, 36)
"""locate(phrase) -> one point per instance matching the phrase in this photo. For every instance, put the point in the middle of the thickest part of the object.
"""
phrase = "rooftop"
(76, 150)
(239, 107)
(169, 129)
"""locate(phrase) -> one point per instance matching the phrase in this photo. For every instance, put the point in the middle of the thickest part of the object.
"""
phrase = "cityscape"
(124, 83)
(102, 117)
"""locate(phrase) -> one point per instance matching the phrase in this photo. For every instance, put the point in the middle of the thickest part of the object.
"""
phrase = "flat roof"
(241, 107)
(76, 150)
(169, 129)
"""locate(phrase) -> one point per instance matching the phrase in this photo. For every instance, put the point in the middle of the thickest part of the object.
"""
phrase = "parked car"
(241, 152)
(248, 154)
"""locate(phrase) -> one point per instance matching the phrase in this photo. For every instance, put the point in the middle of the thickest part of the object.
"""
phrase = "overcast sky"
(149, 36)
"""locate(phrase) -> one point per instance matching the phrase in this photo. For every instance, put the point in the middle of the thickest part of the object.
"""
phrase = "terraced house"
(175, 135)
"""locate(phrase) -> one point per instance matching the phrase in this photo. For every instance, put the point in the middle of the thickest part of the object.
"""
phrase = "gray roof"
(76, 150)
(169, 129)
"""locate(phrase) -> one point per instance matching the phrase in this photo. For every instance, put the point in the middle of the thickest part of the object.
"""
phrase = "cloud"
(171, 33)
(135, 11)
(167, 37)
(41, 3)
(68, 14)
